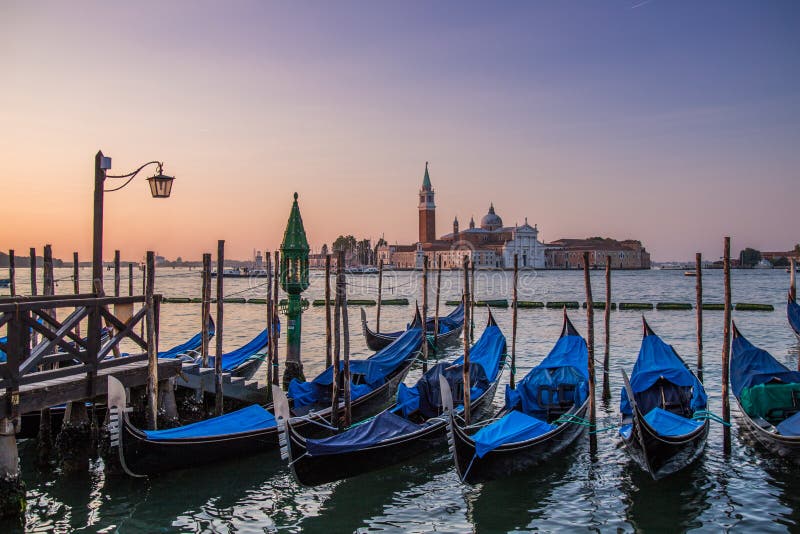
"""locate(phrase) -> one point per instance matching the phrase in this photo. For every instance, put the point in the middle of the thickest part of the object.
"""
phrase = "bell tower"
(427, 210)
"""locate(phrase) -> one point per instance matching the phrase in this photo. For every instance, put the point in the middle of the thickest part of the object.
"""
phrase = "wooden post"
(607, 333)
(511, 380)
(276, 325)
(152, 354)
(792, 284)
(698, 260)
(380, 296)
(590, 346)
(34, 290)
(130, 279)
(336, 341)
(270, 321)
(218, 356)
(116, 273)
(467, 308)
(424, 314)
(205, 307)
(144, 291)
(12, 273)
(328, 348)
(726, 346)
(45, 441)
(76, 283)
(472, 304)
(436, 312)
(346, 346)
(97, 226)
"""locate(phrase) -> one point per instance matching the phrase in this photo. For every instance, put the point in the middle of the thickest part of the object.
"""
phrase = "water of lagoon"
(746, 490)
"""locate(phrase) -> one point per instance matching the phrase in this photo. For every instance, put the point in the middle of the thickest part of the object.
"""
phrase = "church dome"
(491, 221)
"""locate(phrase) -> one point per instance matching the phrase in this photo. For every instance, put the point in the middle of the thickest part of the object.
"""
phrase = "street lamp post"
(294, 280)
(160, 187)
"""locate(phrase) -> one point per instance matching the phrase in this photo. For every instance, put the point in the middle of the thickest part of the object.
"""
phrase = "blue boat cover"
(447, 323)
(485, 359)
(245, 420)
(371, 372)
(566, 365)
(752, 366)
(513, 427)
(790, 426)
(656, 360)
(385, 425)
(793, 312)
(667, 424)
(234, 359)
(192, 344)
(3, 354)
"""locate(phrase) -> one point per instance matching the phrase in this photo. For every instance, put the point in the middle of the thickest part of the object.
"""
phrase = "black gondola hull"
(662, 456)
(314, 470)
(377, 341)
(511, 458)
(787, 447)
(145, 456)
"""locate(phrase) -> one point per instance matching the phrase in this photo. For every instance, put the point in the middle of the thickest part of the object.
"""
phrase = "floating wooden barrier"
(177, 300)
(496, 303)
(355, 302)
(452, 302)
(530, 304)
(635, 305)
(256, 301)
(394, 302)
(673, 306)
(600, 305)
(715, 306)
(234, 300)
(569, 304)
(749, 306)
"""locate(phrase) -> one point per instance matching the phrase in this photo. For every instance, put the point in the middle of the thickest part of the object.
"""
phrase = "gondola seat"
(667, 396)
(548, 393)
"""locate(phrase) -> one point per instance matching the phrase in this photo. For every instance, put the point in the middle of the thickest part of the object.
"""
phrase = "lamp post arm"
(130, 176)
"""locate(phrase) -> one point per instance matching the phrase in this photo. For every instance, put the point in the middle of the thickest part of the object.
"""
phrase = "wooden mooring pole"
(205, 307)
(436, 311)
(117, 278)
(590, 346)
(45, 438)
(328, 348)
(152, 353)
(472, 303)
(511, 379)
(218, 357)
(380, 296)
(698, 263)
(130, 279)
(348, 419)
(337, 346)
(607, 333)
(12, 273)
(34, 289)
(792, 283)
(467, 320)
(76, 284)
(726, 346)
(270, 322)
(424, 314)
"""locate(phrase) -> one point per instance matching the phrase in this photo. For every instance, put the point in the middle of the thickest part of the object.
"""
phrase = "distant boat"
(361, 269)
(5, 282)
(242, 272)
(689, 273)
(763, 264)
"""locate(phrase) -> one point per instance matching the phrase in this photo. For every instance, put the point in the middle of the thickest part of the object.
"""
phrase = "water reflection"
(675, 502)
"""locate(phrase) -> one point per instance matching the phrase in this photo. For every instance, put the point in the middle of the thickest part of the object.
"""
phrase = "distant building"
(568, 253)
(490, 246)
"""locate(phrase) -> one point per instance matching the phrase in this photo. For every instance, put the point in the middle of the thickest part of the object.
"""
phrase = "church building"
(490, 246)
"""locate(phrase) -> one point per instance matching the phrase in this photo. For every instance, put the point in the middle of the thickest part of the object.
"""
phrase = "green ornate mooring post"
(294, 280)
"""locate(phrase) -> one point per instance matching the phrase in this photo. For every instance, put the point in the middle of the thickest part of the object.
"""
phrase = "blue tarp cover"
(251, 418)
(790, 426)
(234, 359)
(666, 423)
(384, 426)
(657, 359)
(3, 354)
(513, 427)
(374, 370)
(793, 312)
(192, 344)
(485, 357)
(453, 320)
(751, 366)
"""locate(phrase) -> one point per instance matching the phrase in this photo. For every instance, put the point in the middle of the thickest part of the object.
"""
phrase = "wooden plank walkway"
(40, 395)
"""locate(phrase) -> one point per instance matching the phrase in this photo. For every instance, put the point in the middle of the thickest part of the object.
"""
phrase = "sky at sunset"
(673, 122)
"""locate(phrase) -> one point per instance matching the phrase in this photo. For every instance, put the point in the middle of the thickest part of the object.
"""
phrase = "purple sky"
(673, 122)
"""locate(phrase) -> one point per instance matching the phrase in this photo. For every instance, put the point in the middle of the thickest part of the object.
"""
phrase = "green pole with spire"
(294, 280)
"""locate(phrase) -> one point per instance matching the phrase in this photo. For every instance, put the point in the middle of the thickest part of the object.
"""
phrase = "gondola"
(245, 360)
(410, 427)
(793, 313)
(253, 429)
(660, 428)
(190, 346)
(768, 394)
(537, 421)
(450, 327)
